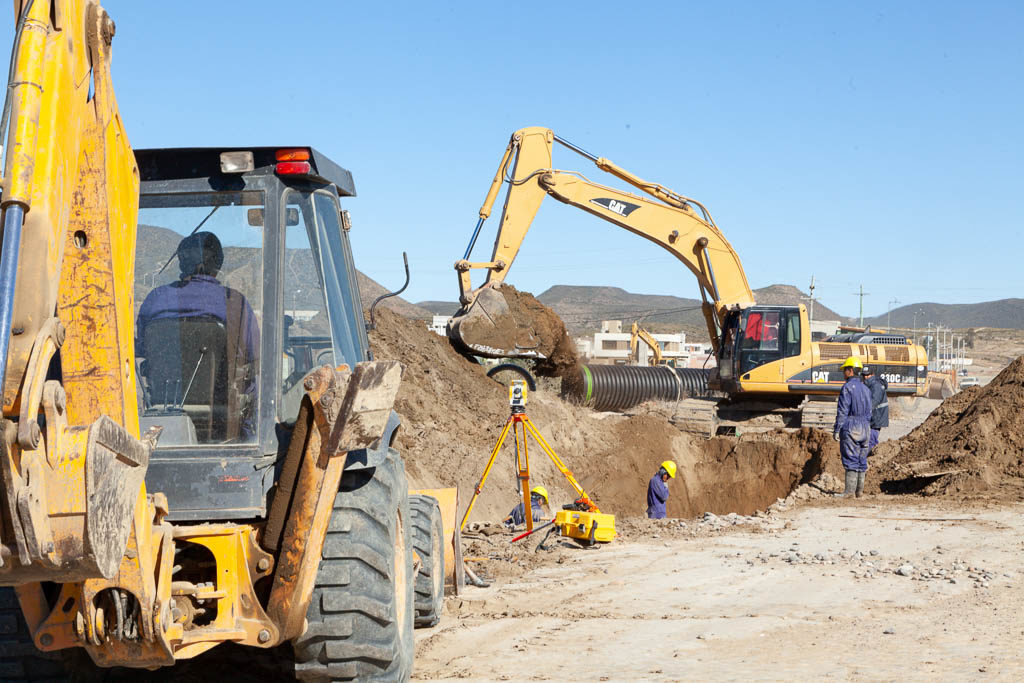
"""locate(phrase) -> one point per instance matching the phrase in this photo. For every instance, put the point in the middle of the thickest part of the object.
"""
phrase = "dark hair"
(200, 254)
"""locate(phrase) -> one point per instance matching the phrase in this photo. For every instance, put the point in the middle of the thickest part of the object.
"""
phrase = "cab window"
(198, 296)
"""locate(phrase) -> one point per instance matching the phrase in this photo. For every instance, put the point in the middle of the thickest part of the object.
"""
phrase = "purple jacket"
(197, 297)
(853, 411)
(657, 496)
(202, 296)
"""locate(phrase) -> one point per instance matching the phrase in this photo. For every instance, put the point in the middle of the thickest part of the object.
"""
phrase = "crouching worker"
(657, 490)
(853, 427)
(538, 499)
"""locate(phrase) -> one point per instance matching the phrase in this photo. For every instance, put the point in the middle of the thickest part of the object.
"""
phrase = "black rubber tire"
(428, 542)
(360, 617)
(531, 383)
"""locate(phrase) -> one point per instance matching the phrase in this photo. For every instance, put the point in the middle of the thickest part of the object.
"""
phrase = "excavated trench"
(453, 414)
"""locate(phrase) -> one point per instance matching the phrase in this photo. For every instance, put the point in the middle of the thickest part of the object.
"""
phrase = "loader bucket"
(490, 328)
(448, 501)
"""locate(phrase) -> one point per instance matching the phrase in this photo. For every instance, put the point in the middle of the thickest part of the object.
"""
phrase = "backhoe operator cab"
(244, 282)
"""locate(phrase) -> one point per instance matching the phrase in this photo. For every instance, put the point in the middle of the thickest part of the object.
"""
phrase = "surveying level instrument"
(581, 519)
(517, 393)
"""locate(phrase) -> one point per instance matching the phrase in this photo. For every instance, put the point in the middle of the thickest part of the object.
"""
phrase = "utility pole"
(888, 315)
(811, 299)
(916, 313)
(861, 294)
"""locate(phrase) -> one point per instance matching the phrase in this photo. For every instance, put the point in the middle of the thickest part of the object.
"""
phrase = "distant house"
(610, 346)
(439, 324)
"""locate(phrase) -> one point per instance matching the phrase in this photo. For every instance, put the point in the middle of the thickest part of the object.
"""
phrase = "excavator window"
(198, 291)
(759, 338)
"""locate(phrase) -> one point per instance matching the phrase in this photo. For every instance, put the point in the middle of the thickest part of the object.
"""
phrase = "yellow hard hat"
(670, 467)
(540, 491)
(852, 362)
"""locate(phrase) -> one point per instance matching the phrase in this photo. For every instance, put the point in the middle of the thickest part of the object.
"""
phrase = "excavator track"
(697, 416)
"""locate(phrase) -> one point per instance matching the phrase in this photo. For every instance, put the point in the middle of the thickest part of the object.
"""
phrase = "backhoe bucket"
(490, 328)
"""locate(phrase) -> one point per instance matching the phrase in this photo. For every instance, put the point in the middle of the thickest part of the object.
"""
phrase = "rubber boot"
(860, 483)
(851, 484)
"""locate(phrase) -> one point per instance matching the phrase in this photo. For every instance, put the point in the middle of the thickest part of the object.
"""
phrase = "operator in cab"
(657, 490)
(853, 427)
(198, 295)
(538, 499)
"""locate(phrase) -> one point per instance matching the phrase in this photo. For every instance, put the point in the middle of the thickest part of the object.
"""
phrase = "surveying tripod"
(520, 425)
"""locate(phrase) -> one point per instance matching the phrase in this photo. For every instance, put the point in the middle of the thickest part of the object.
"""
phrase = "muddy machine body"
(196, 441)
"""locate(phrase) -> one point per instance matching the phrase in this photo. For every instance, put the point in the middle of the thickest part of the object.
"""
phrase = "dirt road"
(815, 591)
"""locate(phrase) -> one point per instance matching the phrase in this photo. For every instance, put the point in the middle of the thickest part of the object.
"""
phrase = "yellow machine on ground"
(196, 442)
(766, 361)
(581, 519)
(638, 334)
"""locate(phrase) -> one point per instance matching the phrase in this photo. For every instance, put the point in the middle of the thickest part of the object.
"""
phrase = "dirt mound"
(973, 442)
(453, 414)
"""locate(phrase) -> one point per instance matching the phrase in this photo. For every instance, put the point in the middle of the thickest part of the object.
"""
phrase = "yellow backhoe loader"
(196, 441)
(766, 361)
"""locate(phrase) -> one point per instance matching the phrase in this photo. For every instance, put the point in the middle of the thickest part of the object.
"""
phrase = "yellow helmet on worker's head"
(669, 467)
(540, 491)
(852, 362)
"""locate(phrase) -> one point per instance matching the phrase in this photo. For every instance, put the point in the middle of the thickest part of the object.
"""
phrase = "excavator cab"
(757, 337)
(244, 283)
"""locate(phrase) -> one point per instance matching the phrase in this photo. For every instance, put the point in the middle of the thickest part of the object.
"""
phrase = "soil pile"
(453, 414)
(973, 442)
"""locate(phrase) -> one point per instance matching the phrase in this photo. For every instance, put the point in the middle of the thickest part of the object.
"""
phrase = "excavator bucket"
(490, 327)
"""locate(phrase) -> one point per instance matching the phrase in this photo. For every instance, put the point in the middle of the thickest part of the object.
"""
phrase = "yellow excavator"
(766, 361)
(639, 334)
(197, 444)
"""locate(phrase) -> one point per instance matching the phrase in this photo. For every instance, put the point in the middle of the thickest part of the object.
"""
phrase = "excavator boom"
(659, 214)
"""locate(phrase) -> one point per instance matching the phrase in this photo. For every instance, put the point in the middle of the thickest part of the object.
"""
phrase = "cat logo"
(819, 376)
(615, 206)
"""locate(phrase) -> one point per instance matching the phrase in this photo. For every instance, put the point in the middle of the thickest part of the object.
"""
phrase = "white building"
(439, 325)
(611, 346)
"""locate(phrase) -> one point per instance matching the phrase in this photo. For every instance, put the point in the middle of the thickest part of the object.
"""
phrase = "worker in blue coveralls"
(853, 427)
(538, 499)
(657, 490)
(879, 404)
(198, 295)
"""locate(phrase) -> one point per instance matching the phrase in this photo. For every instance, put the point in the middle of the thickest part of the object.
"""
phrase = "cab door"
(796, 343)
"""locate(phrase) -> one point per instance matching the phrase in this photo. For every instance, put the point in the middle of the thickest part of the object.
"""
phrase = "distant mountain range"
(583, 308)
(1002, 313)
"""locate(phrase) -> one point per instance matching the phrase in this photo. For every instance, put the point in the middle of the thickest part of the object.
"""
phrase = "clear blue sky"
(868, 143)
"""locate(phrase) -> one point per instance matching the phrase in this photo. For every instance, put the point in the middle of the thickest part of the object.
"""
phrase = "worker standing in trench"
(657, 490)
(853, 427)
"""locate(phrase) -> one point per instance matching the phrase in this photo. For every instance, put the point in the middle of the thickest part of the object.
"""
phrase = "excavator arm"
(638, 334)
(659, 215)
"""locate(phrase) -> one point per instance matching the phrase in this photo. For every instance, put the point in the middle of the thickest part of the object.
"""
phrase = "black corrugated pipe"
(619, 387)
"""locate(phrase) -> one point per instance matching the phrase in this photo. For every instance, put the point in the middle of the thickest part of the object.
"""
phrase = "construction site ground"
(813, 591)
(760, 571)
